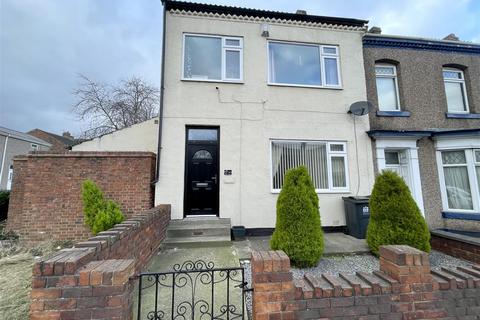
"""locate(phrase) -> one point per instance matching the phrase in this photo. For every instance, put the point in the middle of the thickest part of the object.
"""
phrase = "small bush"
(298, 230)
(8, 235)
(100, 214)
(395, 217)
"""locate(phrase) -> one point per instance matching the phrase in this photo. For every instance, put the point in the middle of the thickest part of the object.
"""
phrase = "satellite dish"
(361, 108)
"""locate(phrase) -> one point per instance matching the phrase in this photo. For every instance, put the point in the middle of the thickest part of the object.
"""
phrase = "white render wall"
(253, 113)
(139, 137)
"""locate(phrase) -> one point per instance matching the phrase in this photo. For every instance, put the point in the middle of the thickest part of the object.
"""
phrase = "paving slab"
(335, 244)
(194, 284)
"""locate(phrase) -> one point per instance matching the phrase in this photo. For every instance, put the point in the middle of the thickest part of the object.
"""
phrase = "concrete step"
(195, 231)
(198, 232)
(200, 221)
(196, 242)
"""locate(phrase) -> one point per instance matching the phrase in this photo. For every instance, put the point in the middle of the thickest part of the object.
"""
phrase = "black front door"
(201, 171)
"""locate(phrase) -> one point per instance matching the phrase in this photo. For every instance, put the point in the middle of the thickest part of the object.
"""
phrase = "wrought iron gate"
(193, 290)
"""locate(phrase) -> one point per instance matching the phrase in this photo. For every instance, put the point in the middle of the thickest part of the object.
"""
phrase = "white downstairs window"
(10, 177)
(212, 58)
(326, 163)
(460, 172)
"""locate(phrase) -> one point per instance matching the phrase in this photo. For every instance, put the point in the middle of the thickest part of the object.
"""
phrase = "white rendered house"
(249, 94)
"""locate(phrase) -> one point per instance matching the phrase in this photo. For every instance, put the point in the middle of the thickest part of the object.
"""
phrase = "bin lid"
(356, 198)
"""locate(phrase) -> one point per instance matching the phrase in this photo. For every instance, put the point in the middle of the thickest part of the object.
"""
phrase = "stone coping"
(456, 237)
(68, 261)
(87, 154)
(313, 286)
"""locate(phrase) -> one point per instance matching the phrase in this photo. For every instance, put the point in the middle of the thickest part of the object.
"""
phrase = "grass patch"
(16, 265)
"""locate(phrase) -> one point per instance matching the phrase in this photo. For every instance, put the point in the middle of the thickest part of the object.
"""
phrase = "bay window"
(326, 163)
(455, 91)
(212, 58)
(303, 64)
(460, 172)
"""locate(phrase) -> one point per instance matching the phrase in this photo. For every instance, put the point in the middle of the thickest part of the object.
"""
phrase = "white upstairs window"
(212, 58)
(387, 87)
(300, 64)
(455, 91)
(326, 163)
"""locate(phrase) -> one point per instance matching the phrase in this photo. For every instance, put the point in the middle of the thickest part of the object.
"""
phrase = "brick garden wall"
(45, 202)
(456, 248)
(404, 288)
(93, 280)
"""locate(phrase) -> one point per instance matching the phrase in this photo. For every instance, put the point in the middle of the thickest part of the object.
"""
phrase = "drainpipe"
(3, 158)
(162, 89)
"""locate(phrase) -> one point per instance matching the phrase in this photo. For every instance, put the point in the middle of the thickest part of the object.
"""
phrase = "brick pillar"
(418, 291)
(99, 290)
(272, 285)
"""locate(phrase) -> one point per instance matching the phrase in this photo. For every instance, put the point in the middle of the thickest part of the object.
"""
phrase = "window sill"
(450, 115)
(303, 86)
(461, 215)
(212, 81)
(393, 113)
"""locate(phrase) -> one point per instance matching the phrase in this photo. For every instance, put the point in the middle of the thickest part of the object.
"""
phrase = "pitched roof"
(405, 42)
(423, 133)
(249, 12)
(66, 141)
(22, 136)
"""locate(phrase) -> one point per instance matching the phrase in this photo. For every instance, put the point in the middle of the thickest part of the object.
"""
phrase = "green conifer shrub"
(394, 215)
(99, 214)
(298, 230)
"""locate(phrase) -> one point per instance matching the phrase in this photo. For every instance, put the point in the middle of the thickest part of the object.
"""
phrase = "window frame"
(472, 179)
(225, 48)
(34, 146)
(9, 177)
(329, 155)
(463, 84)
(322, 65)
(394, 76)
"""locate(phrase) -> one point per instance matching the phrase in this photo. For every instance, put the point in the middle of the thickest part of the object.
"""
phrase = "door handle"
(215, 179)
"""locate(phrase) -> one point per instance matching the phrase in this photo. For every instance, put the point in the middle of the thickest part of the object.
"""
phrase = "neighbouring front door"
(201, 171)
(397, 160)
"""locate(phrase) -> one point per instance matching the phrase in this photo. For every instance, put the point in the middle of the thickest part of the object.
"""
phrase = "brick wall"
(403, 288)
(45, 202)
(456, 248)
(93, 280)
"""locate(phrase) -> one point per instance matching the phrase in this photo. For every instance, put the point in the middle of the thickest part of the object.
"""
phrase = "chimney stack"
(451, 37)
(299, 11)
(375, 30)
(67, 135)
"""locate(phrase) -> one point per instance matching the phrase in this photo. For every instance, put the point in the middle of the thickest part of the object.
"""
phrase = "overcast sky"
(44, 44)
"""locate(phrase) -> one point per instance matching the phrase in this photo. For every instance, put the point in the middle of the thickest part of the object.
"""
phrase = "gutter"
(162, 89)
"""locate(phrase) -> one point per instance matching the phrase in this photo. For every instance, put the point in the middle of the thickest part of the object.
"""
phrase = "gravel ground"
(369, 263)
(336, 264)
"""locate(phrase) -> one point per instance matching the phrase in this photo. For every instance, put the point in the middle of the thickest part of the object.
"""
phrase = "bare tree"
(109, 108)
